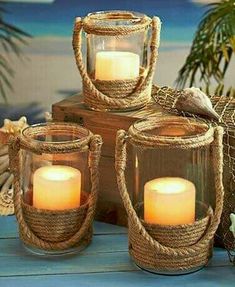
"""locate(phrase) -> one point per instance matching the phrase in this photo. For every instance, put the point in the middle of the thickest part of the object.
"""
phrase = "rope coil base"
(55, 225)
(118, 91)
(148, 258)
(117, 94)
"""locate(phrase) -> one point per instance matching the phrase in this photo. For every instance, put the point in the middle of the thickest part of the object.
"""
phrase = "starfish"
(14, 127)
(11, 128)
(232, 227)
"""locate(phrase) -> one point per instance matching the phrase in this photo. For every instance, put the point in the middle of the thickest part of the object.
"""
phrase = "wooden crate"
(109, 208)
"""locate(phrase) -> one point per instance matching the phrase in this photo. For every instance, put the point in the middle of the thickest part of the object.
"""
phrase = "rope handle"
(144, 80)
(94, 157)
(120, 164)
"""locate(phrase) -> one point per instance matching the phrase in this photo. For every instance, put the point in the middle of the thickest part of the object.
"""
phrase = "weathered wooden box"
(109, 208)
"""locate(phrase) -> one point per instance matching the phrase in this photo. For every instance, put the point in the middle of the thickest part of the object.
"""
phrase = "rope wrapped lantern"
(52, 202)
(119, 71)
(171, 223)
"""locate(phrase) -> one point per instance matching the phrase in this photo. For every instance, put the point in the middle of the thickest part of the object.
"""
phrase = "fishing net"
(225, 107)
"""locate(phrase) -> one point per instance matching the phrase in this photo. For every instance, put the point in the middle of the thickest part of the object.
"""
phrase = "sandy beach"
(48, 72)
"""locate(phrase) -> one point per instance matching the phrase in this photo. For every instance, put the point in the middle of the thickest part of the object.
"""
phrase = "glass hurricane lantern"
(171, 217)
(55, 168)
(120, 58)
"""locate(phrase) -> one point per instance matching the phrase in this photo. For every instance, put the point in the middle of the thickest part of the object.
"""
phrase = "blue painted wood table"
(104, 263)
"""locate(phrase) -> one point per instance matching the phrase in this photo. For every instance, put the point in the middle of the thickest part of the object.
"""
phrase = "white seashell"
(48, 116)
(6, 202)
(193, 100)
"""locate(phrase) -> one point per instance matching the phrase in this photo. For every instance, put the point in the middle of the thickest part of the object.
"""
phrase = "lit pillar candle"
(56, 187)
(115, 65)
(169, 201)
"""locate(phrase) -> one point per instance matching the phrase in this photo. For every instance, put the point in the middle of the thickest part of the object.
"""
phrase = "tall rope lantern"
(118, 40)
(179, 243)
(67, 156)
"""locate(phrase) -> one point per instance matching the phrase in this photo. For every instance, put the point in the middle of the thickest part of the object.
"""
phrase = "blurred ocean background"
(179, 17)
(48, 72)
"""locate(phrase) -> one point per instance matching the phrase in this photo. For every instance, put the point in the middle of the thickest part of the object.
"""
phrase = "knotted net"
(225, 107)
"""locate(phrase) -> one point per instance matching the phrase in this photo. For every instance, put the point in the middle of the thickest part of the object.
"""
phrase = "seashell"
(193, 100)
(6, 202)
(48, 116)
(6, 178)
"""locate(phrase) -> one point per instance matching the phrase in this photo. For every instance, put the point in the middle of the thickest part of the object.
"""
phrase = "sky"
(179, 17)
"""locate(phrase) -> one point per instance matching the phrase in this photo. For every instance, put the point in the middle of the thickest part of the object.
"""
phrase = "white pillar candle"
(56, 187)
(169, 201)
(116, 65)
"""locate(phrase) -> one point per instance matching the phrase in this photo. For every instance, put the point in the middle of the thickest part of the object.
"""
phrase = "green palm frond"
(212, 49)
(11, 39)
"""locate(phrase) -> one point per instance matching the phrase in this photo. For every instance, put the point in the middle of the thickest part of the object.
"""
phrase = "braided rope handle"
(142, 84)
(94, 157)
(120, 163)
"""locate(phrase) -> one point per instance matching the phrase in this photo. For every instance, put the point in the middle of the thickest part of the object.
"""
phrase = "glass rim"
(33, 130)
(162, 120)
(131, 15)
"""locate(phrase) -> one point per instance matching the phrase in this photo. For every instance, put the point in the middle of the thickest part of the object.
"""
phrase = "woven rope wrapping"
(55, 226)
(81, 217)
(189, 234)
(105, 95)
(169, 257)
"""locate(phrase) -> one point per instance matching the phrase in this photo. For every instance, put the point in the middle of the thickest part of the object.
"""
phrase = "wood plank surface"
(105, 262)
(92, 263)
(109, 207)
(223, 277)
(100, 244)
(8, 228)
(106, 124)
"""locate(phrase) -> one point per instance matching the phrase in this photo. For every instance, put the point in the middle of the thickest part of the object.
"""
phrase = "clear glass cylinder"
(55, 182)
(171, 186)
(112, 57)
